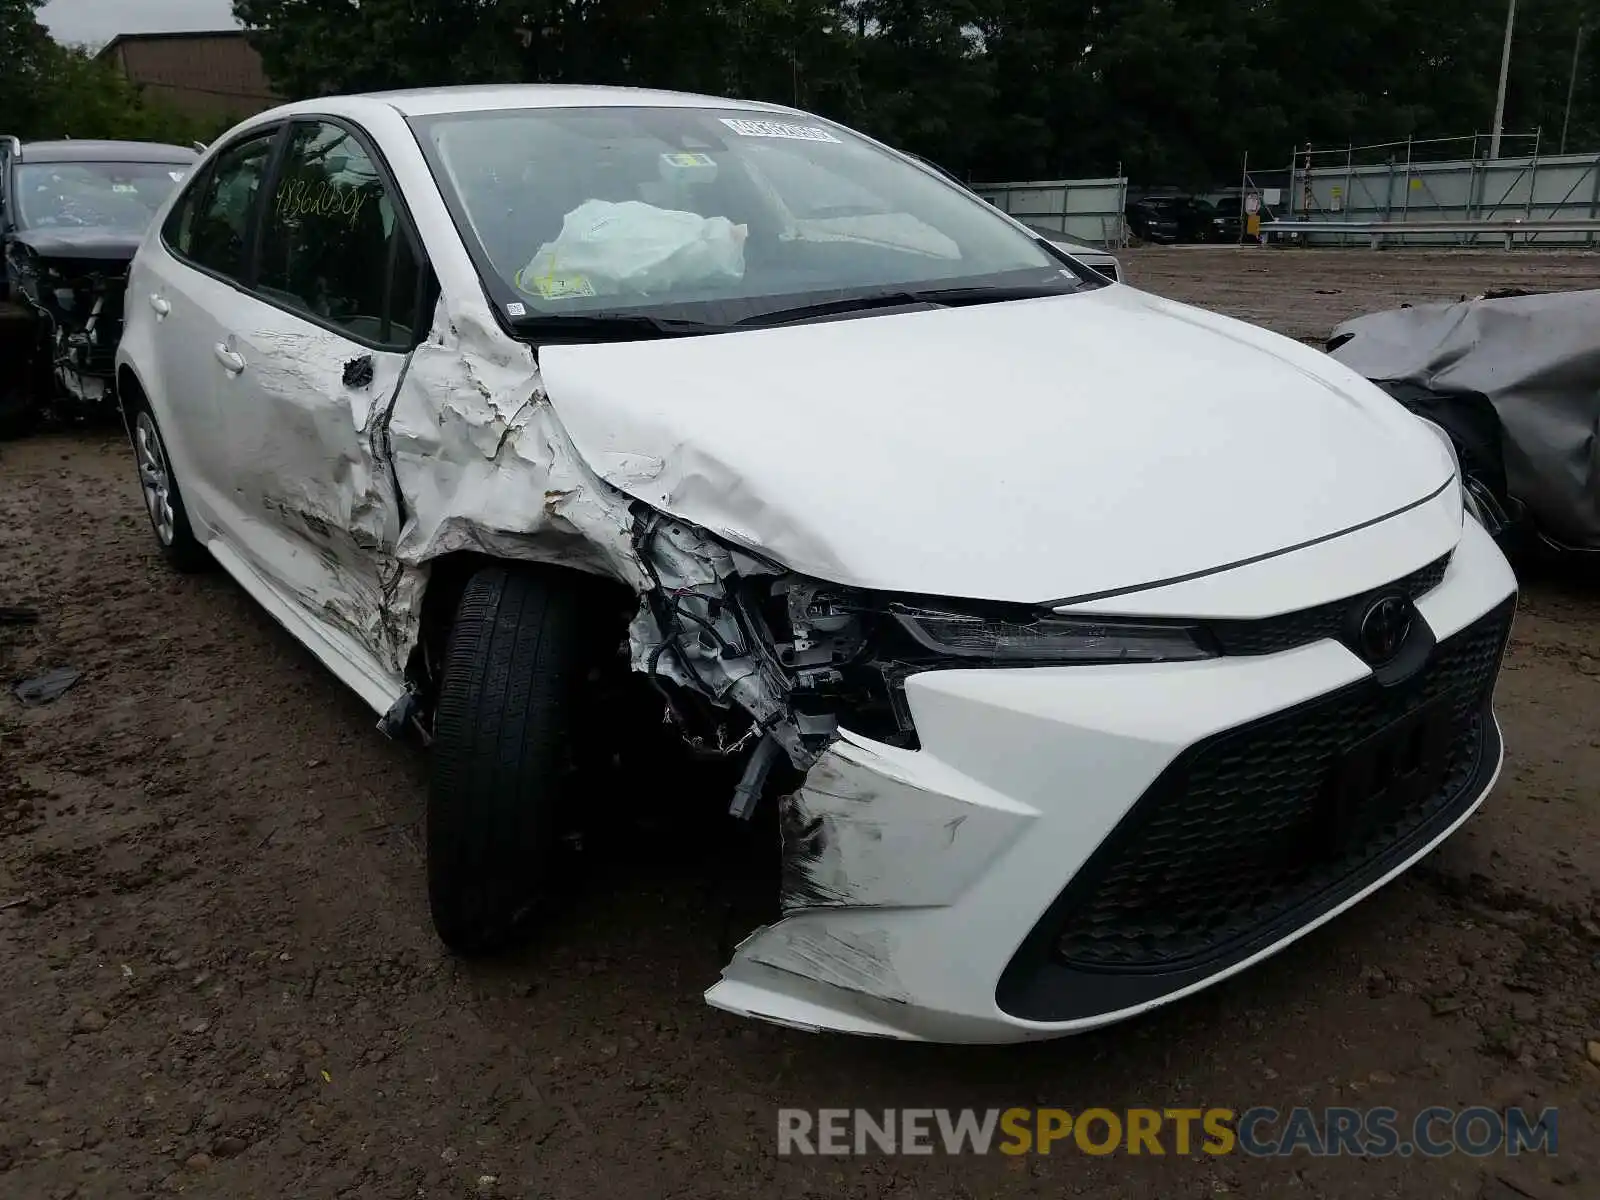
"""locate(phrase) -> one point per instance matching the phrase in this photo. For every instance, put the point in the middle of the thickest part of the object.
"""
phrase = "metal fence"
(1081, 210)
(1529, 188)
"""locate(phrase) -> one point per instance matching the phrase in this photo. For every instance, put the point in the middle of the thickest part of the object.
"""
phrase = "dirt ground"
(217, 975)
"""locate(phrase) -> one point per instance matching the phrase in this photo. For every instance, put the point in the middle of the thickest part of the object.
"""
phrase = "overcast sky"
(98, 21)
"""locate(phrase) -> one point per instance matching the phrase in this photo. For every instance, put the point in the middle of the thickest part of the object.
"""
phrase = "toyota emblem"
(1384, 627)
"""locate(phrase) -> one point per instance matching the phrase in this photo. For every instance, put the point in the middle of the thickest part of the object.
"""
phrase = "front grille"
(1269, 635)
(1233, 838)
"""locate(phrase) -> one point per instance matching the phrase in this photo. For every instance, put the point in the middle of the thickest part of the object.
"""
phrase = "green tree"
(1173, 91)
(28, 51)
(86, 97)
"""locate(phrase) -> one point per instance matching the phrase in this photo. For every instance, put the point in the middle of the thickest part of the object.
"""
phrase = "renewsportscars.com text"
(1259, 1132)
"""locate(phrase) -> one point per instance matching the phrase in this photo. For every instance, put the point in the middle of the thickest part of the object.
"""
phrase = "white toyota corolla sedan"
(1082, 648)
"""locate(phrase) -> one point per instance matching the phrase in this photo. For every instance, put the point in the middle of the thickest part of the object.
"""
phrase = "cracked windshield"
(103, 195)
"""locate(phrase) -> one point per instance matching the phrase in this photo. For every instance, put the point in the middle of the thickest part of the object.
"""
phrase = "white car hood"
(1027, 451)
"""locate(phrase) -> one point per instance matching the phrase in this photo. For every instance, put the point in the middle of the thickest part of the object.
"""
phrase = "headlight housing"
(1477, 497)
(1047, 637)
(1463, 493)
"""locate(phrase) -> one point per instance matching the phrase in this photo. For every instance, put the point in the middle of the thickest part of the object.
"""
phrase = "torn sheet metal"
(1536, 358)
(483, 465)
(73, 282)
(863, 839)
(455, 448)
(859, 832)
(691, 634)
(856, 960)
(302, 474)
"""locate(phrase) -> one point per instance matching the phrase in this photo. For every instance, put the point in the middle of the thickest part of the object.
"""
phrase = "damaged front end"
(747, 654)
(77, 304)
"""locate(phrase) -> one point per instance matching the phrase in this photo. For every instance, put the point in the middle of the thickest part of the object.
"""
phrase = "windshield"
(102, 195)
(721, 215)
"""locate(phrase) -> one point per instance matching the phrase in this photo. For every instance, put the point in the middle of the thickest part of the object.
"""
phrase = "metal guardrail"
(1533, 186)
(1469, 231)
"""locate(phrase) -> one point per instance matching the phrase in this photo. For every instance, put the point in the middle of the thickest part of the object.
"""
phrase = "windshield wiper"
(999, 294)
(908, 297)
(829, 308)
(608, 327)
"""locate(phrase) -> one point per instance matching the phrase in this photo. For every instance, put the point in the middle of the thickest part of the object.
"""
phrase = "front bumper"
(1073, 846)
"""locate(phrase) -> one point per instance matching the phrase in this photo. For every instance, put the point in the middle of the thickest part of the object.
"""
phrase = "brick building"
(213, 75)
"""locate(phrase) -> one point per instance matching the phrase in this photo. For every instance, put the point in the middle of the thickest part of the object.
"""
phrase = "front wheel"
(503, 757)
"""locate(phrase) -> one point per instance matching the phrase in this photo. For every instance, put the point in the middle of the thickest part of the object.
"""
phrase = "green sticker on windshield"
(124, 188)
(553, 287)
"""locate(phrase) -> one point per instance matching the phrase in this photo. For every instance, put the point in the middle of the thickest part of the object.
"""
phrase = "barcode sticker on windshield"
(778, 129)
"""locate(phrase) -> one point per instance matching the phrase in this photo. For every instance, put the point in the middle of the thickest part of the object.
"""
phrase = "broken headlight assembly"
(800, 658)
(1047, 638)
(747, 655)
(849, 652)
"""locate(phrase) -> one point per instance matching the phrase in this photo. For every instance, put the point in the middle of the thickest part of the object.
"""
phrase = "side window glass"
(332, 246)
(217, 234)
(178, 231)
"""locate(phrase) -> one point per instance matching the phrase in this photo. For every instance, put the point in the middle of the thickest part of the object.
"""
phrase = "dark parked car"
(1179, 218)
(71, 215)
(1153, 219)
(1208, 222)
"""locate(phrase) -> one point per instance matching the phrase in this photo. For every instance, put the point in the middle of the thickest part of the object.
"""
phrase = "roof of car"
(73, 150)
(419, 102)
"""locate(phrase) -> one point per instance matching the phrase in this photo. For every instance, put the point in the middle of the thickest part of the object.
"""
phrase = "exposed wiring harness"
(666, 606)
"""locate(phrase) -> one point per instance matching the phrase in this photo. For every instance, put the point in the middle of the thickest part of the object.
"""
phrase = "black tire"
(175, 537)
(503, 753)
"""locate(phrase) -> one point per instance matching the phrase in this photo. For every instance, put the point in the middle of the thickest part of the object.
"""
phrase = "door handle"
(160, 305)
(231, 361)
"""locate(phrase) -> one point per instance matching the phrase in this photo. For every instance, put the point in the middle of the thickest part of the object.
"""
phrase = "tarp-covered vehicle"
(1515, 380)
(72, 214)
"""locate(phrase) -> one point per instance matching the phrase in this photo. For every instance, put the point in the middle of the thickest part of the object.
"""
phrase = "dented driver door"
(316, 351)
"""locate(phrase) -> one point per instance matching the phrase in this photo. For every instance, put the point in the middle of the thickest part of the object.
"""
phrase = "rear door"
(181, 298)
(312, 357)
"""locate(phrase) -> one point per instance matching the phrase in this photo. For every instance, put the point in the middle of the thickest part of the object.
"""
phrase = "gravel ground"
(219, 977)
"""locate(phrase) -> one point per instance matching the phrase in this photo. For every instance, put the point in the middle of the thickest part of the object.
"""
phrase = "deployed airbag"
(605, 248)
